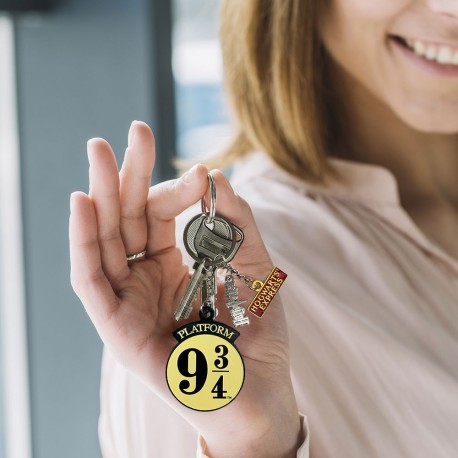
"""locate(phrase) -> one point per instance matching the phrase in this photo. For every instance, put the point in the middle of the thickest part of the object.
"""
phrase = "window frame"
(13, 328)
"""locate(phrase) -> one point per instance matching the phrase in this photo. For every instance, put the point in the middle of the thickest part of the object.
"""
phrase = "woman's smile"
(403, 53)
(437, 59)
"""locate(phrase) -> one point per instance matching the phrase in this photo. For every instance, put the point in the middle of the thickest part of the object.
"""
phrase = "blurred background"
(71, 70)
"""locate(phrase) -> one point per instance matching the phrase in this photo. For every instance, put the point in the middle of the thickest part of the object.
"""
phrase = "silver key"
(212, 242)
(218, 240)
(184, 308)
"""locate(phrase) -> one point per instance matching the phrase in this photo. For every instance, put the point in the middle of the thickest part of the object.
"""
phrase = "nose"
(444, 7)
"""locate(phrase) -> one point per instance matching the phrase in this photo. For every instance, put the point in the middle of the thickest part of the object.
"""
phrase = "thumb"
(252, 259)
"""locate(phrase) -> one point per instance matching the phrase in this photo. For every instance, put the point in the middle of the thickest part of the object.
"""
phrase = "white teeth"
(444, 56)
(430, 52)
(409, 42)
(419, 47)
(441, 54)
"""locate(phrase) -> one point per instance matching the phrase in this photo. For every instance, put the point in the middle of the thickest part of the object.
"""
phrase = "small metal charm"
(266, 292)
(234, 303)
(209, 290)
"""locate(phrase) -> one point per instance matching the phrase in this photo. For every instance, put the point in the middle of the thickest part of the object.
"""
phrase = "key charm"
(208, 290)
(266, 292)
(233, 303)
(205, 371)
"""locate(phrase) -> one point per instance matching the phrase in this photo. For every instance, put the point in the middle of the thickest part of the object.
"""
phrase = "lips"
(443, 54)
(436, 59)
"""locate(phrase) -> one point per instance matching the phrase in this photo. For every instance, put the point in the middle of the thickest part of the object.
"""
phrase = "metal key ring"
(212, 211)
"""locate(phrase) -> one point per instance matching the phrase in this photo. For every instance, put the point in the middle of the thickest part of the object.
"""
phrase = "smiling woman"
(345, 158)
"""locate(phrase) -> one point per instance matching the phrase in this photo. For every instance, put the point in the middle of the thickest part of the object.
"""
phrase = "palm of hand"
(143, 319)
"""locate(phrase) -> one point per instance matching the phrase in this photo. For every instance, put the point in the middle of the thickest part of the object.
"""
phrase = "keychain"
(205, 370)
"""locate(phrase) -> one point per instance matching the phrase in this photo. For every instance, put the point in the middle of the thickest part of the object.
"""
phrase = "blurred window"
(202, 116)
(14, 403)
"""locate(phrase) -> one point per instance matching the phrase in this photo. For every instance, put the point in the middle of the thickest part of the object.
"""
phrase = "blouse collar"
(364, 183)
(370, 185)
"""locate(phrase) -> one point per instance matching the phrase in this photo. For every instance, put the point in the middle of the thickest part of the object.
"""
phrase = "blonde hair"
(275, 68)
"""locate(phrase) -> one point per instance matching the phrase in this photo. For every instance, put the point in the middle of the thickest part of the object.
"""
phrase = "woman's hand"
(132, 306)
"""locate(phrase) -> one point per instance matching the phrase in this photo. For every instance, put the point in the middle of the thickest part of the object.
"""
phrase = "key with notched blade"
(184, 308)
(212, 245)
(217, 241)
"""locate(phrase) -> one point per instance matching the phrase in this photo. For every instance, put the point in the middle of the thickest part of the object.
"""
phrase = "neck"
(425, 164)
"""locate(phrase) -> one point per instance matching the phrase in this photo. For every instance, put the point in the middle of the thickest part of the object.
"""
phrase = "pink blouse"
(372, 309)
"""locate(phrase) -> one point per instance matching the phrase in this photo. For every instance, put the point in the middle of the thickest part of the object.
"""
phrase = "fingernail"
(73, 199)
(90, 142)
(91, 145)
(190, 174)
(131, 135)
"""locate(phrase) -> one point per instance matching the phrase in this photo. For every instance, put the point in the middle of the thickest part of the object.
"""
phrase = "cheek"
(354, 33)
(426, 108)
(352, 27)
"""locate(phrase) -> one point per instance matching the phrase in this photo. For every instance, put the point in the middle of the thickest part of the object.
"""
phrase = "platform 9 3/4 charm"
(205, 370)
